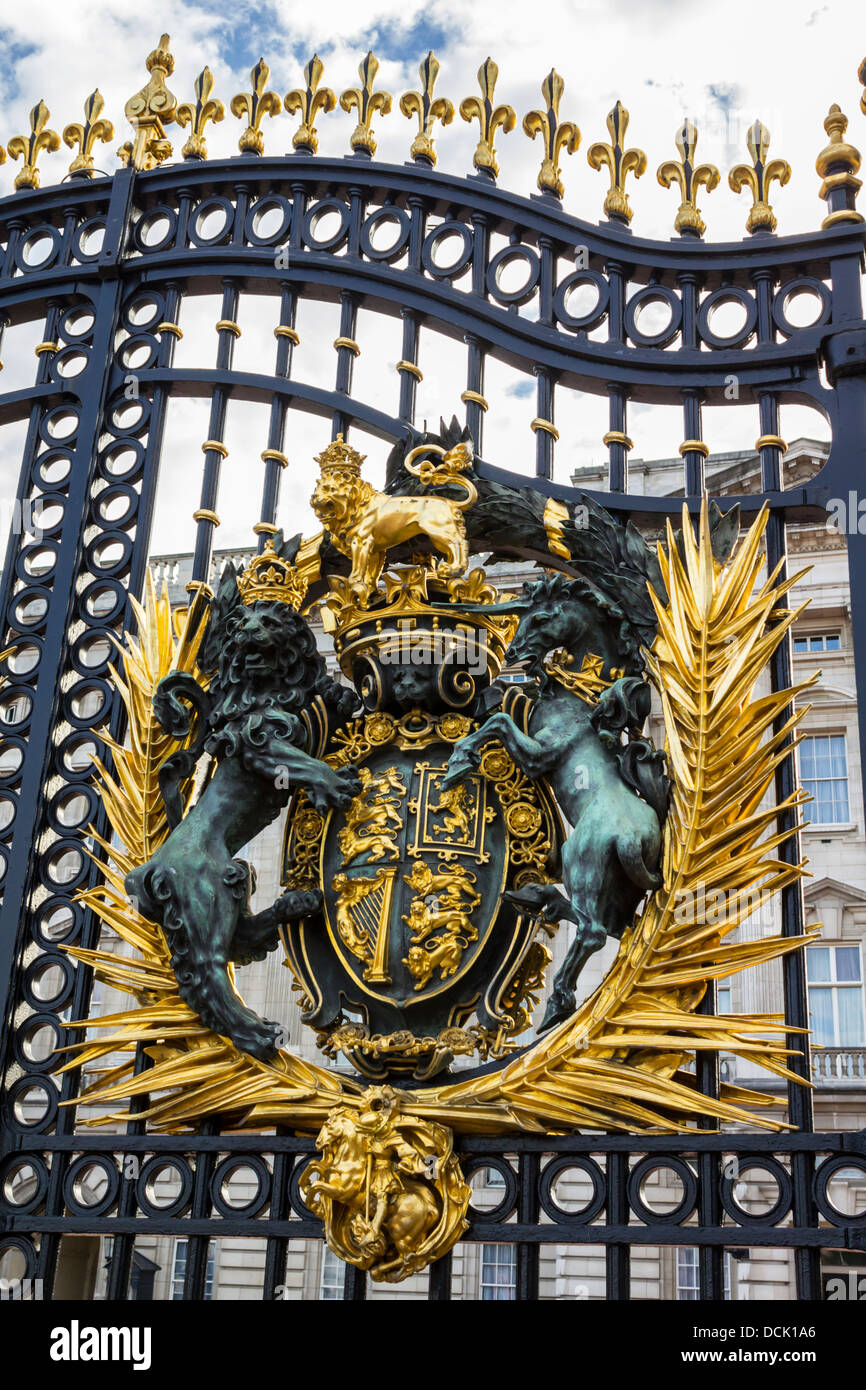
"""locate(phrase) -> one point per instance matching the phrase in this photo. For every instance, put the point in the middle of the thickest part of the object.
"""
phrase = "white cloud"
(723, 65)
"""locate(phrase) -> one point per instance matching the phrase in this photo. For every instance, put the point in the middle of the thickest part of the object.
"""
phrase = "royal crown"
(340, 458)
(268, 578)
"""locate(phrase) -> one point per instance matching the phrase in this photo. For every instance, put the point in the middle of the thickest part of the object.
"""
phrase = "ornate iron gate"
(106, 263)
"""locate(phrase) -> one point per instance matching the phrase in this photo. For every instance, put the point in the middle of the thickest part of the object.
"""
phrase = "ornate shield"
(415, 938)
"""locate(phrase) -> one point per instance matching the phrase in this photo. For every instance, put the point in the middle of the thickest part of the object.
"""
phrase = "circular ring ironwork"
(779, 1209)
(553, 1170)
(508, 1202)
(151, 1169)
(233, 1164)
(656, 1163)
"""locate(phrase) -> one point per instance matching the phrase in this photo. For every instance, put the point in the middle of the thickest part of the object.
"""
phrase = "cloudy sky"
(722, 64)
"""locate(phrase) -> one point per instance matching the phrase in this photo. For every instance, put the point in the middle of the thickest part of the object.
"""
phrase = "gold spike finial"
(837, 164)
(206, 108)
(85, 136)
(150, 111)
(253, 107)
(757, 177)
(557, 135)
(308, 100)
(689, 177)
(29, 147)
(620, 162)
(489, 118)
(367, 102)
(428, 109)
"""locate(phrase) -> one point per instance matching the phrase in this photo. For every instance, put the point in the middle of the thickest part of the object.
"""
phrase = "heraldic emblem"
(442, 824)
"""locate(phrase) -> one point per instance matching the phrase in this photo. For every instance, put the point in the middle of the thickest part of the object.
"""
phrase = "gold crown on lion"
(268, 578)
(340, 458)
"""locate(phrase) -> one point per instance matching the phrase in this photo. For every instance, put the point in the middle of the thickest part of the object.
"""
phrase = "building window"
(824, 774)
(818, 642)
(178, 1269)
(498, 1271)
(333, 1275)
(688, 1275)
(835, 979)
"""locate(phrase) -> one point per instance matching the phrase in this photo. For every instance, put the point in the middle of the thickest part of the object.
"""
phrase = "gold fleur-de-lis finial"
(253, 107)
(150, 111)
(489, 117)
(757, 177)
(308, 100)
(367, 102)
(837, 164)
(85, 136)
(29, 147)
(689, 177)
(620, 162)
(428, 109)
(207, 108)
(557, 135)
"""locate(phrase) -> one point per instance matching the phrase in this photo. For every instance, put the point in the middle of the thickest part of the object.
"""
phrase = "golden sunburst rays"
(617, 1065)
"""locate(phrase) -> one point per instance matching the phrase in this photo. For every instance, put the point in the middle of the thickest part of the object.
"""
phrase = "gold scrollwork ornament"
(149, 112)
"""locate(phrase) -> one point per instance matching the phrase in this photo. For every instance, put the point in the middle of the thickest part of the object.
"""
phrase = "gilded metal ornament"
(490, 118)
(388, 1186)
(556, 135)
(29, 147)
(428, 109)
(620, 163)
(150, 111)
(308, 101)
(366, 101)
(85, 136)
(206, 108)
(757, 177)
(837, 165)
(365, 524)
(689, 177)
(253, 106)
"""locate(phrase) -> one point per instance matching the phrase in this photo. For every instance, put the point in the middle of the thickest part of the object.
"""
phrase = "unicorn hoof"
(559, 1008)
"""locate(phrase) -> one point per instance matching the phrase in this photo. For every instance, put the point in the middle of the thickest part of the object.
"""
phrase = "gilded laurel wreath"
(619, 1062)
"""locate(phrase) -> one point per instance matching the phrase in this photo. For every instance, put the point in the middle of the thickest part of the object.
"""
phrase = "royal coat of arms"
(441, 823)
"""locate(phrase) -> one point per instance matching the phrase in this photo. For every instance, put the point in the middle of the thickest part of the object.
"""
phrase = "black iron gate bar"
(135, 266)
(527, 1216)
